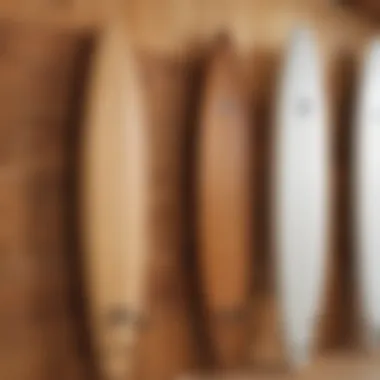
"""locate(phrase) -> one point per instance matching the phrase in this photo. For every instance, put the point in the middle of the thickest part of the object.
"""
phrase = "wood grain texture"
(336, 366)
(369, 9)
(169, 342)
(177, 26)
(115, 201)
(38, 320)
(64, 14)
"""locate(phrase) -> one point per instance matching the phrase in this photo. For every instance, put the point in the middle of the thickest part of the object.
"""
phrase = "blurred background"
(45, 53)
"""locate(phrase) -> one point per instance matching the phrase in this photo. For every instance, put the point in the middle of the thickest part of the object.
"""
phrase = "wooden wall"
(368, 8)
(45, 49)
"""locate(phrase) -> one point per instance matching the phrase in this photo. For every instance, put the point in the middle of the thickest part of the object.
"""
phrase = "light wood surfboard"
(224, 206)
(115, 204)
(366, 147)
(301, 194)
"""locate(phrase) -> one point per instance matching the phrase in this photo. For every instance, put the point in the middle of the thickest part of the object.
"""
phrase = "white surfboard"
(115, 203)
(300, 219)
(367, 192)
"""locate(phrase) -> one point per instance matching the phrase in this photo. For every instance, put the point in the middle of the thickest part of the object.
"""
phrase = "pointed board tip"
(298, 359)
(223, 38)
(222, 58)
(372, 340)
(302, 36)
(223, 43)
(303, 59)
(302, 48)
(113, 35)
(370, 73)
(372, 50)
(375, 43)
(113, 54)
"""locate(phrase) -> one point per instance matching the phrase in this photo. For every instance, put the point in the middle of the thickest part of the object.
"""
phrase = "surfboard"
(224, 205)
(366, 145)
(115, 203)
(301, 192)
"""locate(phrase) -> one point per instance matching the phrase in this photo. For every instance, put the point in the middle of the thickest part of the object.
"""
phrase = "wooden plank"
(346, 366)
(177, 26)
(37, 73)
(170, 340)
(67, 14)
(366, 8)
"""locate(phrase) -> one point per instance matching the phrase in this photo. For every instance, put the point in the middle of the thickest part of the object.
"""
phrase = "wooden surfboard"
(301, 192)
(367, 192)
(115, 203)
(224, 206)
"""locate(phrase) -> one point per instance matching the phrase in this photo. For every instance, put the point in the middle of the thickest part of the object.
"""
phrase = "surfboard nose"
(302, 38)
(301, 57)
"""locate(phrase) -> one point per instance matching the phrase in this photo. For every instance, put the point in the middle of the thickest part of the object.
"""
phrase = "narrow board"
(224, 206)
(301, 190)
(366, 147)
(115, 203)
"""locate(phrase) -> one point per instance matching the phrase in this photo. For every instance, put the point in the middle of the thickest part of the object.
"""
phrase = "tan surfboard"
(224, 206)
(115, 204)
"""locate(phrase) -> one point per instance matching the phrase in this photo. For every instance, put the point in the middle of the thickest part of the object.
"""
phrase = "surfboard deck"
(301, 192)
(367, 193)
(224, 206)
(115, 203)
